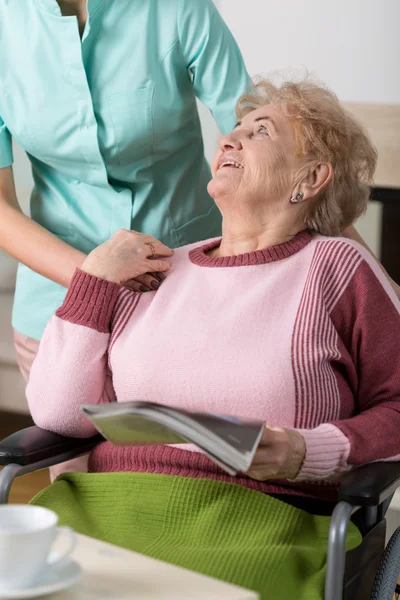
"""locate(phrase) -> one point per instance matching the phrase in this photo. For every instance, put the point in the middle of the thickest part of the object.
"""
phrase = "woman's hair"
(324, 131)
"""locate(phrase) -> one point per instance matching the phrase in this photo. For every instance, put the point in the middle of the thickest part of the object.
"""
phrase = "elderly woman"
(281, 320)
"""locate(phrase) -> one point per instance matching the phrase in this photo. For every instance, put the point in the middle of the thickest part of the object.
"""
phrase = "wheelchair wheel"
(385, 584)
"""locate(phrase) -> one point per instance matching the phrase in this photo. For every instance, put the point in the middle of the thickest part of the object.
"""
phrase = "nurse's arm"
(352, 233)
(213, 58)
(30, 243)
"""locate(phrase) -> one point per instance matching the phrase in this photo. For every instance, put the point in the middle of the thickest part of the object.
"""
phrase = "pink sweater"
(304, 335)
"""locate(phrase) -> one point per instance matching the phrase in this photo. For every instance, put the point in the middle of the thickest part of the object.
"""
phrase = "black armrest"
(32, 445)
(370, 484)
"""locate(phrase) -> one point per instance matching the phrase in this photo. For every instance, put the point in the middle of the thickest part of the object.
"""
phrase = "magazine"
(229, 441)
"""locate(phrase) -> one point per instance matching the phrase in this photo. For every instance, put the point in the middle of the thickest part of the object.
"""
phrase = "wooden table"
(110, 572)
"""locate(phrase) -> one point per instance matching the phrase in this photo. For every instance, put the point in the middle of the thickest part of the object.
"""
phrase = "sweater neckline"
(199, 256)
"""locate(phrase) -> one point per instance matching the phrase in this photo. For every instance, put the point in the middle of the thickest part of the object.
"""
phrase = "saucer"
(52, 579)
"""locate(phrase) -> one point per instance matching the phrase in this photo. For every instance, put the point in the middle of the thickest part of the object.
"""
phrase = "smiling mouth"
(231, 164)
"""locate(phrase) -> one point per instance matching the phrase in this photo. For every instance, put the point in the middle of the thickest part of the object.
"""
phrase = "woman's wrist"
(297, 453)
(327, 451)
(90, 302)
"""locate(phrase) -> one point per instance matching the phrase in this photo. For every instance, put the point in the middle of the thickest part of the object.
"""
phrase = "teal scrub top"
(110, 123)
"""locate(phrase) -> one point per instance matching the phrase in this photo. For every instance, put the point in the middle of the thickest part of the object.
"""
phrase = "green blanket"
(220, 529)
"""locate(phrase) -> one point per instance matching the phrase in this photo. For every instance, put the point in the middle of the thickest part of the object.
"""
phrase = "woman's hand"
(280, 455)
(135, 260)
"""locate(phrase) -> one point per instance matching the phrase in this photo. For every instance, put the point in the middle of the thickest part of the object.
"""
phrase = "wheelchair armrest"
(371, 484)
(32, 445)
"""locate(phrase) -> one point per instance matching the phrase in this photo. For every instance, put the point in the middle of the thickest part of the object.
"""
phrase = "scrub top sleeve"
(6, 154)
(214, 59)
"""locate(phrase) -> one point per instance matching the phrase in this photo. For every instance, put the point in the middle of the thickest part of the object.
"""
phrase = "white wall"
(23, 177)
(24, 182)
(352, 45)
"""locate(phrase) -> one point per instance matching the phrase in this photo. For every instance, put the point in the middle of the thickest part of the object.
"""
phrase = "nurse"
(102, 96)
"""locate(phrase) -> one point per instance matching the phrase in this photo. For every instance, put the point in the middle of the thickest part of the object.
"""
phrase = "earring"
(297, 197)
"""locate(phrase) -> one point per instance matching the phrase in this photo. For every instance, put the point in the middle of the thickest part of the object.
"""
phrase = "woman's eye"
(262, 129)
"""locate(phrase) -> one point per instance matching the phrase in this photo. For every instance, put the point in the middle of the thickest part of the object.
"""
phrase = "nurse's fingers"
(156, 248)
(158, 265)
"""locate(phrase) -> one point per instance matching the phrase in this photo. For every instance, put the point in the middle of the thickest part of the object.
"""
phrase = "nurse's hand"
(280, 455)
(135, 260)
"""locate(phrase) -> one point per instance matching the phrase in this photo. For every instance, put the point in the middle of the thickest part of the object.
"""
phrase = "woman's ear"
(317, 177)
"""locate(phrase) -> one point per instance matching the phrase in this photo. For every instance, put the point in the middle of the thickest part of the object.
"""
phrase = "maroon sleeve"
(367, 319)
(90, 301)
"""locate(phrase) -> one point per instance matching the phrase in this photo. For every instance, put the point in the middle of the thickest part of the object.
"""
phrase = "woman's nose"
(230, 142)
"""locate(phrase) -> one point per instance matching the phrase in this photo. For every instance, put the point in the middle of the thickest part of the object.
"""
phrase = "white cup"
(27, 534)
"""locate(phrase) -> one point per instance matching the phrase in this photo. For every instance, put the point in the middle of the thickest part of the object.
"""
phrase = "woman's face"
(256, 162)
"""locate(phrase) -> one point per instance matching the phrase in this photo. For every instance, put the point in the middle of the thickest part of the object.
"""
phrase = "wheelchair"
(368, 572)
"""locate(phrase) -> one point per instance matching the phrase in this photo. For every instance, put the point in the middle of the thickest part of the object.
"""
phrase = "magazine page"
(125, 429)
(241, 434)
